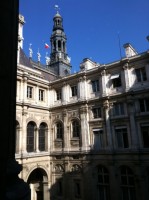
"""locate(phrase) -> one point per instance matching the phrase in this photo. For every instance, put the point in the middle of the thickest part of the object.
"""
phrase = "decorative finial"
(47, 59)
(39, 55)
(30, 50)
(57, 8)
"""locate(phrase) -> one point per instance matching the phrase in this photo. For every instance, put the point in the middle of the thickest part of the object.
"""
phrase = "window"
(74, 90)
(59, 131)
(30, 137)
(42, 136)
(116, 80)
(75, 129)
(145, 135)
(122, 137)
(95, 86)
(96, 112)
(103, 183)
(58, 94)
(77, 189)
(118, 109)
(141, 74)
(98, 139)
(127, 184)
(41, 95)
(144, 105)
(17, 137)
(29, 92)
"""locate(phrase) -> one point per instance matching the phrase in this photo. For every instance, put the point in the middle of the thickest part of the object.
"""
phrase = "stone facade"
(85, 136)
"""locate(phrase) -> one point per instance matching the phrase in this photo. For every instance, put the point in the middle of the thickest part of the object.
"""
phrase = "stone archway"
(38, 181)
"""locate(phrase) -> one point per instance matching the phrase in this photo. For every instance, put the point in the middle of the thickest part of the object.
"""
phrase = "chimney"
(129, 50)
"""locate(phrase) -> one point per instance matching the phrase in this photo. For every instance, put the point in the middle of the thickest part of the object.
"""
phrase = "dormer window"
(141, 74)
(116, 80)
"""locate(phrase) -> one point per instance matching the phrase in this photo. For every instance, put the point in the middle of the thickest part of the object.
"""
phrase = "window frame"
(141, 74)
(95, 85)
(29, 92)
(121, 134)
(41, 94)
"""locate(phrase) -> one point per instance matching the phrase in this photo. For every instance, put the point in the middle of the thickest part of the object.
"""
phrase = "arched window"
(75, 129)
(30, 136)
(127, 184)
(103, 183)
(17, 137)
(59, 130)
(42, 137)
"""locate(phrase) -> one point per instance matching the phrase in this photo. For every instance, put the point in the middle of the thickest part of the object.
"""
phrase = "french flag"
(46, 46)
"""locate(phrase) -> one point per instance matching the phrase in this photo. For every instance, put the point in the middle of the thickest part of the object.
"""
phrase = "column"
(103, 83)
(106, 107)
(65, 93)
(84, 128)
(25, 78)
(36, 135)
(133, 131)
(82, 88)
(46, 191)
(66, 138)
(24, 130)
(126, 76)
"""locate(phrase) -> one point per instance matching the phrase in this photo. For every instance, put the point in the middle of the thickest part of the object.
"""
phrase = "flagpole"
(119, 42)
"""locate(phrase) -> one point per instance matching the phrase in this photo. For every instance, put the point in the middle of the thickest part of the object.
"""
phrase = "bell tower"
(59, 60)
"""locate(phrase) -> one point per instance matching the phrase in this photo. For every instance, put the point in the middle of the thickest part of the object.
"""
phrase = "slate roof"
(24, 60)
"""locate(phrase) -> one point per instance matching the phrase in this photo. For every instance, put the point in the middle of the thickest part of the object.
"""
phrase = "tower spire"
(59, 60)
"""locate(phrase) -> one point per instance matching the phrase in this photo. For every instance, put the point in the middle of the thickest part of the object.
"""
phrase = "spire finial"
(30, 50)
(57, 8)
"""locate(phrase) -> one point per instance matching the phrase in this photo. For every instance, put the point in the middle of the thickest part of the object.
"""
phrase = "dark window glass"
(127, 184)
(96, 112)
(75, 129)
(95, 85)
(145, 136)
(74, 90)
(103, 184)
(30, 137)
(59, 129)
(42, 132)
(122, 137)
(29, 92)
(141, 74)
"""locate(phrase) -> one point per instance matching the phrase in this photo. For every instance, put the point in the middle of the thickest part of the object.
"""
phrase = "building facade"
(83, 136)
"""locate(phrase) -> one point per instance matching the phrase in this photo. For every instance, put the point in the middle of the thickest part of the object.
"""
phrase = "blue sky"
(91, 26)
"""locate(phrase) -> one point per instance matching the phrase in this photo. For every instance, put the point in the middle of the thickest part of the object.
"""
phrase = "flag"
(46, 46)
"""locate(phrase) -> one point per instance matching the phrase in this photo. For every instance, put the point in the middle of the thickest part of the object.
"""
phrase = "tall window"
(77, 188)
(122, 137)
(41, 95)
(75, 129)
(96, 112)
(127, 184)
(98, 139)
(116, 80)
(30, 136)
(144, 105)
(29, 92)
(17, 136)
(141, 74)
(118, 109)
(42, 137)
(58, 95)
(59, 131)
(95, 85)
(74, 90)
(103, 183)
(145, 135)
